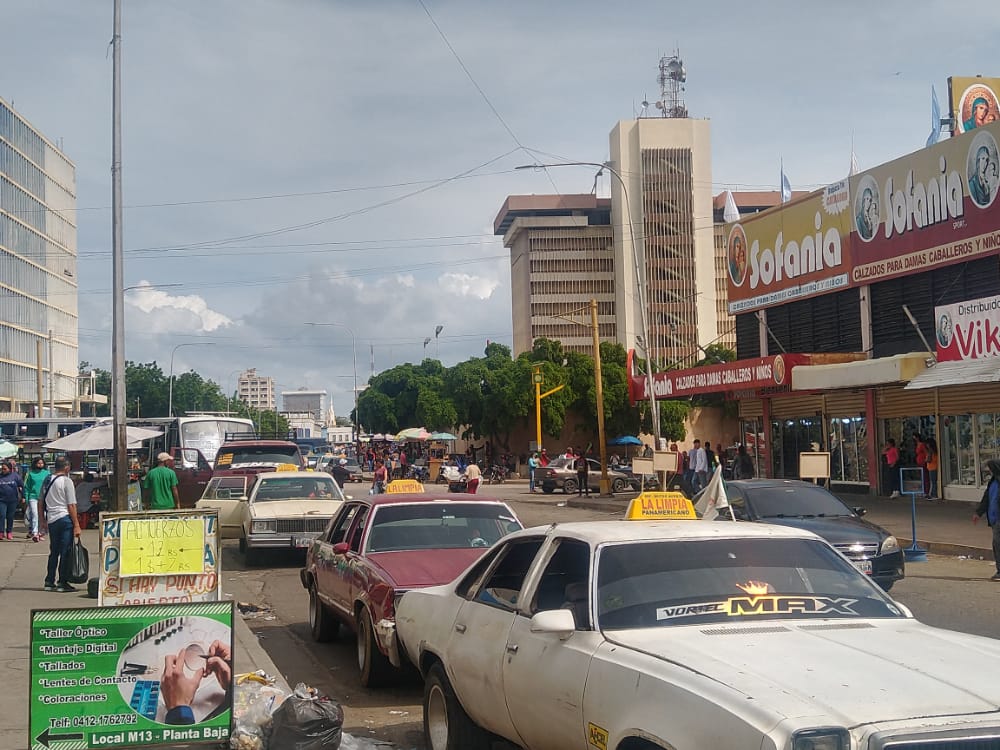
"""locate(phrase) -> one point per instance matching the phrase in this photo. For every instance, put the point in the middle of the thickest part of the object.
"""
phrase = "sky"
(288, 162)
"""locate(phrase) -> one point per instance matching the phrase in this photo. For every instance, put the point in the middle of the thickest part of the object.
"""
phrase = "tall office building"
(256, 390)
(38, 282)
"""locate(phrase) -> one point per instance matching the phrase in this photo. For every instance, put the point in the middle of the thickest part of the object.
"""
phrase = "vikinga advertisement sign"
(929, 209)
(968, 330)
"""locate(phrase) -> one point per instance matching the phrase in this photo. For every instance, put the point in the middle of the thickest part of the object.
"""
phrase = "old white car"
(274, 509)
(686, 635)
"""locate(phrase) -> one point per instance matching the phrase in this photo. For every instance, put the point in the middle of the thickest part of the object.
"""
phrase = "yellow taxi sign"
(287, 467)
(399, 486)
(660, 506)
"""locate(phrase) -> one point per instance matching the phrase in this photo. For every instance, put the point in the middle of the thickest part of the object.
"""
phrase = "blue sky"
(355, 112)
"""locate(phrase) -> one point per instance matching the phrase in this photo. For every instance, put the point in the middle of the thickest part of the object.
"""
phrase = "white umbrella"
(8, 449)
(101, 437)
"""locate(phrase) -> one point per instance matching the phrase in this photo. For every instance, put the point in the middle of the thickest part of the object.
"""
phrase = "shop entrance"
(849, 450)
(791, 437)
(904, 431)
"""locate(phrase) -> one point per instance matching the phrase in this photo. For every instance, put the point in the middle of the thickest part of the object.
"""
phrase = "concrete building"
(38, 281)
(561, 256)
(256, 390)
(305, 411)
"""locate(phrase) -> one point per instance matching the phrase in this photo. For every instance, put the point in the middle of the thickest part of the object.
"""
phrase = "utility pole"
(599, 385)
(52, 380)
(536, 376)
(38, 377)
(119, 497)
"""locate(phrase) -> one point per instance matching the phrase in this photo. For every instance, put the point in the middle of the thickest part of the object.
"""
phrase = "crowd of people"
(926, 457)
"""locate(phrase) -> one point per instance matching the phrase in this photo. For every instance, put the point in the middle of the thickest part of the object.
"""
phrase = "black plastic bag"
(303, 722)
(79, 563)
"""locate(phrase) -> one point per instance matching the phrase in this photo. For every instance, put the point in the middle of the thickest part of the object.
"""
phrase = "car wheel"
(569, 486)
(618, 485)
(322, 624)
(548, 490)
(376, 670)
(446, 725)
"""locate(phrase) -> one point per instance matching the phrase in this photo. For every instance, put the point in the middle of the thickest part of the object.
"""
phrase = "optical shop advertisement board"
(131, 676)
(159, 557)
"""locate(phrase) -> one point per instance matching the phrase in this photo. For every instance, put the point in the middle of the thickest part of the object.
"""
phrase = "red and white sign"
(968, 330)
(741, 375)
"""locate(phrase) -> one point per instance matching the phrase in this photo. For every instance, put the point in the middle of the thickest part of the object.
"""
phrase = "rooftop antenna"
(672, 78)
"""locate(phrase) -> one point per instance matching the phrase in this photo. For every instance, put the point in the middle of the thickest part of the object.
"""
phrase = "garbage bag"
(306, 721)
(79, 563)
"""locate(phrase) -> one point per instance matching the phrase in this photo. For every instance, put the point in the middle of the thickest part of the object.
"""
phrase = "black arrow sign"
(47, 736)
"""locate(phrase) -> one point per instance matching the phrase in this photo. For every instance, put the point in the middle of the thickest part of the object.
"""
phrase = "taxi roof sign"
(660, 506)
(400, 486)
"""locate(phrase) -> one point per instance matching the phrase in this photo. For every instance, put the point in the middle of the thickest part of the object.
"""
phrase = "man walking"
(700, 466)
(582, 476)
(161, 485)
(990, 507)
(57, 515)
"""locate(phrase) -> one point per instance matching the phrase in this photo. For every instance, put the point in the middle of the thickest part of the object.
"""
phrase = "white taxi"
(684, 635)
(281, 509)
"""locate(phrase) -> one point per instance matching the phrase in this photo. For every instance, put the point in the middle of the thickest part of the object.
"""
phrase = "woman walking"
(32, 487)
(532, 465)
(11, 490)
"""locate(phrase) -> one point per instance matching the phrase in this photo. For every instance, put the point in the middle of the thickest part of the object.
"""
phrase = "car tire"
(376, 670)
(617, 485)
(569, 486)
(322, 624)
(548, 490)
(446, 725)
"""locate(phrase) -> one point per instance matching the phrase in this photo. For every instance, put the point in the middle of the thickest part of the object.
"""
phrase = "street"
(946, 591)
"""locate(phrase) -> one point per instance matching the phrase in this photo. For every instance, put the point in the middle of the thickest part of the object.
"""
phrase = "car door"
(594, 474)
(477, 645)
(193, 474)
(326, 561)
(226, 495)
(345, 565)
(544, 675)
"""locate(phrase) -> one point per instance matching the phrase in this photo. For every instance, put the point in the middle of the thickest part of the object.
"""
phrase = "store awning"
(956, 373)
(865, 373)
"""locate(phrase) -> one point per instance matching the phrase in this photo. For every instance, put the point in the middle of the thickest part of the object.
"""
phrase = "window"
(341, 524)
(359, 529)
(502, 588)
(564, 582)
(439, 525)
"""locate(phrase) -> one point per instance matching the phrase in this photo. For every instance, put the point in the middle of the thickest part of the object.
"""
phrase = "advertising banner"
(968, 330)
(741, 375)
(974, 102)
(799, 250)
(131, 676)
(929, 209)
(159, 557)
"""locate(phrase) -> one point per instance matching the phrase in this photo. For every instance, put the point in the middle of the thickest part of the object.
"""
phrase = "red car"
(380, 546)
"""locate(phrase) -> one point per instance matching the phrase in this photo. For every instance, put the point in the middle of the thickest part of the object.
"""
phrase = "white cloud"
(169, 312)
(466, 285)
(406, 279)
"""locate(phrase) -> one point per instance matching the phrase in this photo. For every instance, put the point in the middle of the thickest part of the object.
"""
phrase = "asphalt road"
(945, 592)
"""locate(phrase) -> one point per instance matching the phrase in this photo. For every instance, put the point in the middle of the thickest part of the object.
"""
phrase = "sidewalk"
(22, 570)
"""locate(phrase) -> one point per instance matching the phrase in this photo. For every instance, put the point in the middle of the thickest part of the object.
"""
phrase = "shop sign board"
(741, 375)
(796, 251)
(929, 209)
(974, 102)
(968, 330)
(130, 676)
(159, 557)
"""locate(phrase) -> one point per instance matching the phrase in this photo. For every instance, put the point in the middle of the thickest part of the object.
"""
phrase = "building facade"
(305, 411)
(256, 390)
(38, 275)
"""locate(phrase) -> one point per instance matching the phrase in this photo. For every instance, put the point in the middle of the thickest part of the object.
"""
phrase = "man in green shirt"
(161, 485)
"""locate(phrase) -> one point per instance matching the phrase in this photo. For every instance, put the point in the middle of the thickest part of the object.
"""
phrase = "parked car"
(379, 547)
(685, 634)
(348, 471)
(252, 456)
(803, 505)
(561, 475)
(273, 510)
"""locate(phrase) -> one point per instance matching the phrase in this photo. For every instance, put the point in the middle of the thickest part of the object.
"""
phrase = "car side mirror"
(860, 511)
(341, 548)
(557, 621)
(348, 497)
(243, 499)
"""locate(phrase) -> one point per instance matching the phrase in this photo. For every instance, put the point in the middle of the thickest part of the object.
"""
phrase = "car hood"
(836, 529)
(853, 672)
(294, 508)
(410, 569)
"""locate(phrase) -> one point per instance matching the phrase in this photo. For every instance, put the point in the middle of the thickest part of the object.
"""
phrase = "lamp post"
(640, 288)
(354, 349)
(170, 385)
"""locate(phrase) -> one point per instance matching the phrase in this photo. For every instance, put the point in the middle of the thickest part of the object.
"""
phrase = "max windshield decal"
(736, 606)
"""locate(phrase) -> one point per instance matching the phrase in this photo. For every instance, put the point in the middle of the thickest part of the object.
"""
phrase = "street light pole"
(119, 499)
(170, 385)
(354, 348)
(654, 407)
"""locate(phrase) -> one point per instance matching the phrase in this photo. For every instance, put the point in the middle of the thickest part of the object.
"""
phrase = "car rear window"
(799, 501)
(656, 584)
(448, 525)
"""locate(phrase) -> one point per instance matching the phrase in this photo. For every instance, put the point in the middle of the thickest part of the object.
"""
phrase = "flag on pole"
(731, 212)
(935, 119)
(854, 160)
(786, 186)
(713, 498)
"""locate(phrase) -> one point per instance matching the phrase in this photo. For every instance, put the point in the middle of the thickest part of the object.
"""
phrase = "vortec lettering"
(811, 253)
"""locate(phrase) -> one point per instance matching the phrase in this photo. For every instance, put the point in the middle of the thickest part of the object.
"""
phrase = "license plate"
(302, 542)
(865, 566)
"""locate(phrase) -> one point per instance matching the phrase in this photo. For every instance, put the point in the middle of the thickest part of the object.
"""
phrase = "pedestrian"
(932, 468)
(710, 457)
(379, 479)
(891, 455)
(473, 477)
(699, 467)
(743, 468)
(32, 487)
(402, 463)
(990, 507)
(582, 478)
(160, 484)
(920, 452)
(57, 516)
(11, 492)
(543, 458)
(532, 465)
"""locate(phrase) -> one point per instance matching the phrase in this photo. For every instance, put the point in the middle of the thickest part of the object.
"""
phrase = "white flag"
(713, 498)
(731, 212)
(786, 186)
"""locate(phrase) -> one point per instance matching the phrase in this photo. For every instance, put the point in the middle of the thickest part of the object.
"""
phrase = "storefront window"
(848, 450)
(753, 439)
(790, 437)
(957, 450)
(987, 431)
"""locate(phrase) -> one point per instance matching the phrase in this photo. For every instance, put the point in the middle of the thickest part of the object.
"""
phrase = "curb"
(254, 655)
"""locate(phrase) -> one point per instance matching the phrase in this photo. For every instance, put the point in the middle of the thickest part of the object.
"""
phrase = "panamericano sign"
(968, 330)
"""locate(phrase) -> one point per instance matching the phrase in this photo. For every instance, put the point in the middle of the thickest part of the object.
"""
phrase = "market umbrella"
(101, 437)
(7, 449)
(625, 440)
(413, 433)
(442, 436)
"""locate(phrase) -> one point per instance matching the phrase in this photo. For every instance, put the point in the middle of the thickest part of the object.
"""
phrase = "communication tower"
(672, 79)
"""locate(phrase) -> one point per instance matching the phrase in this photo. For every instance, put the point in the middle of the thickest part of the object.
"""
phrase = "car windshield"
(660, 583)
(447, 525)
(248, 455)
(796, 501)
(207, 435)
(315, 487)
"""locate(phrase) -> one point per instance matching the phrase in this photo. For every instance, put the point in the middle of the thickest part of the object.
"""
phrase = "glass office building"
(38, 279)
